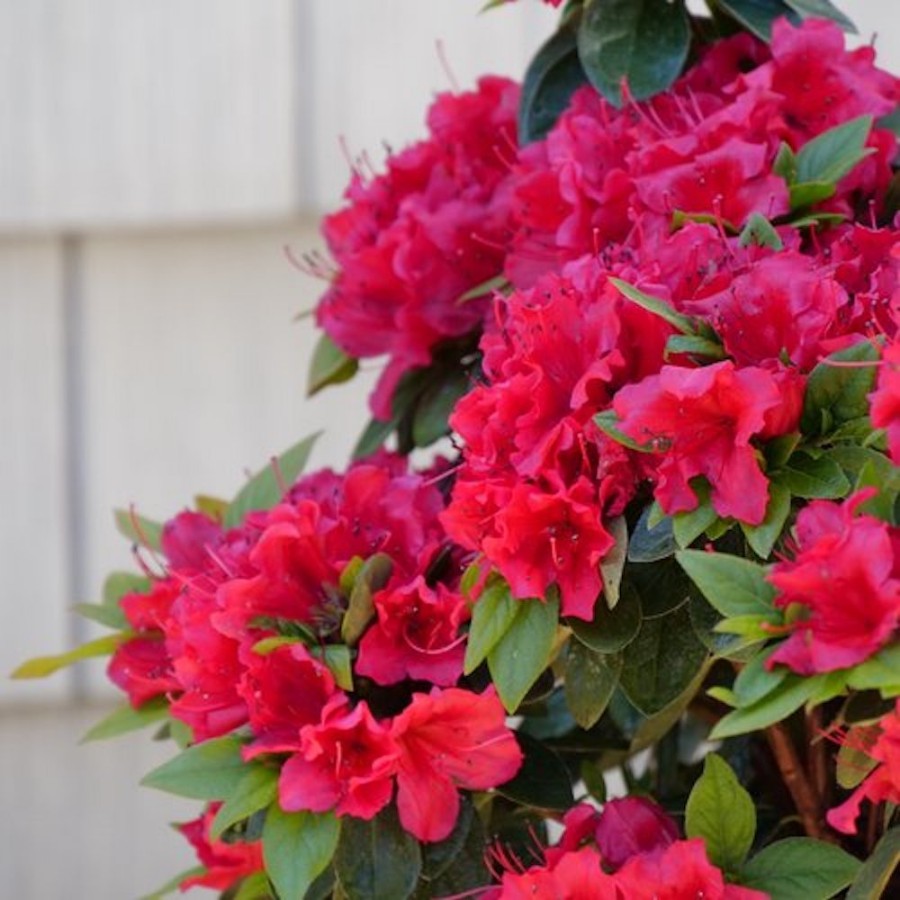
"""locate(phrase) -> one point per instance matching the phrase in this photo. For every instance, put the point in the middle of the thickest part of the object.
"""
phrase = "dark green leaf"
(762, 537)
(256, 790)
(813, 477)
(377, 859)
(208, 771)
(651, 544)
(823, 9)
(875, 874)
(373, 436)
(757, 16)
(434, 406)
(550, 80)
(760, 232)
(591, 679)
(523, 652)
(372, 575)
(492, 616)
(722, 813)
(611, 629)
(437, 857)
(138, 530)
(662, 660)
(777, 705)
(654, 305)
(126, 718)
(330, 365)
(734, 586)
(800, 868)
(42, 666)
(642, 42)
(543, 782)
(465, 870)
(266, 488)
(833, 154)
(297, 848)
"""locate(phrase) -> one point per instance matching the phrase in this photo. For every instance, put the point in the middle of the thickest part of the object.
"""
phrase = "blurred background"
(156, 157)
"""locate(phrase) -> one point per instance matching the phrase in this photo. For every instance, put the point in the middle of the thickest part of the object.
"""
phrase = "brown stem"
(817, 756)
(803, 793)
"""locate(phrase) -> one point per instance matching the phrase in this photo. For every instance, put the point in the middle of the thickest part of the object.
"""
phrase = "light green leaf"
(733, 586)
(613, 563)
(337, 658)
(755, 681)
(722, 813)
(140, 531)
(208, 771)
(694, 345)
(266, 488)
(831, 155)
(813, 478)
(126, 718)
(371, 577)
(688, 526)
(658, 307)
(42, 666)
(297, 848)
(329, 365)
(172, 885)
(872, 879)
(256, 790)
(800, 868)
(777, 705)
(760, 232)
(492, 616)
(762, 537)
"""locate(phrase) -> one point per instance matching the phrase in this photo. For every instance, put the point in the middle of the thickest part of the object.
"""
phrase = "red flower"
(631, 826)
(449, 739)
(572, 876)
(346, 763)
(844, 579)
(702, 421)
(885, 399)
(142, 668)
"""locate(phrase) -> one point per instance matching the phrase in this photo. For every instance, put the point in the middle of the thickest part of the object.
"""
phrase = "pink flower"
(142, 668)
(449, 739)
(885, 399)
(631, 826)
(844, 579)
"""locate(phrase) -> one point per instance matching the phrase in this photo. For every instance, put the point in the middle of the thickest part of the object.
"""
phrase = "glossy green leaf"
(873, 877)
(813, 478)
(553, 75)
(126, 718)
(377, 859)
(591, 678)
(42, 666)
(297, 848)
(823, 9)
(722, 813)
(836, 393)
(762, 537)
(266, 488)
(484, 289)
(256, 790)
(211, 770)
(492, 616)
(800, 868)
(523, 652)
(139, 530)
(642, 42)
(785, 163)
(543, 782)
(776, 706)
(370, 578)
(611, 629)
(650, 544)
(734, 586)
(878, 672)
(757, 16)
(831, 155)
(329, 365)
(662, 660)
(760, 232)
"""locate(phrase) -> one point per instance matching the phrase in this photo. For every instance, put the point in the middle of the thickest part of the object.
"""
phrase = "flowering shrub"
(652, 297)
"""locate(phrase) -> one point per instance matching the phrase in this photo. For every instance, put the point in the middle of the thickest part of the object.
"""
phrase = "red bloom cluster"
(843, 585)
(597, 199)
(237, 631)
(629, 851)
(414, 240)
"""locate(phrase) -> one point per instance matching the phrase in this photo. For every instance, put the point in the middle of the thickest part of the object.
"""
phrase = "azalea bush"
(631, 629)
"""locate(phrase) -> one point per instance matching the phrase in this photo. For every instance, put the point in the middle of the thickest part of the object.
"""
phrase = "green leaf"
(662, 660)
(777, 705)
(492, 617)
(446, 872)
(172, 884)
(733, 586)
(434, 406)
(653, 305)
(813, 478)
(118, 584)
(757, 16)
(800, 868)
(373, 436)
(377, 859)
(642, 42)
(785, 163)
(208, 771)
(722, 813)
(337, 658)
(543, 782)
(523, 652)
(254, 887)
(610, 630)
(878, 672)
(256, 790)
(497, 283)
(138, 530)
(755, 681)
(694, 345)
(762, 537)
(126, 718)
(371, 577)
(853, 764)
(437, 857)
(297, 848)
(591, 679)
(805, 193)
(839, 393)
(42, 666)
(831, 155)
(760, 232)
(108, 616)
(688, 526)
(553, 75)
(330, 365)
(651, 544)
(823, 9)
(266, 488)
(607, 421)
(613, 563)
(873, 878)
